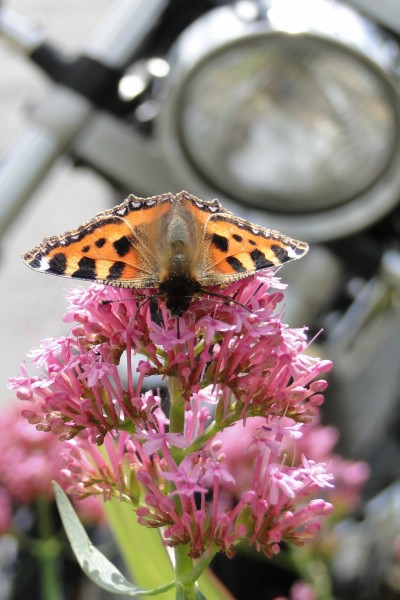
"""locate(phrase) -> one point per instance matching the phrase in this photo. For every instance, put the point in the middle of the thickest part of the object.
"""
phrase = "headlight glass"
(290, 123)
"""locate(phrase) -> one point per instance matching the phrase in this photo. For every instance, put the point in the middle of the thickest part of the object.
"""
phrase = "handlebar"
(81, 82)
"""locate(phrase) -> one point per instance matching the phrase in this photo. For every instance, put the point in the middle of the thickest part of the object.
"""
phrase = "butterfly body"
(177, 244)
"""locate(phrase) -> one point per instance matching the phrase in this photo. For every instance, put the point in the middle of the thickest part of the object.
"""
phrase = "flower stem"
(183, 562)
(177, 406)
(185, 590)
(201, 566)
(47, 552)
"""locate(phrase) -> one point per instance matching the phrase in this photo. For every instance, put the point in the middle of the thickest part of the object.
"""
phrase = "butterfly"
(178, 244)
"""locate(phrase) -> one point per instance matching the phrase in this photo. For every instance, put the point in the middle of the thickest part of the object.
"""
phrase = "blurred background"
(287, 111)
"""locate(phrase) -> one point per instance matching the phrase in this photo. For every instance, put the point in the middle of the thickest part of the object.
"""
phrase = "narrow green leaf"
(141, 547)
(212, 587)
(93, 563)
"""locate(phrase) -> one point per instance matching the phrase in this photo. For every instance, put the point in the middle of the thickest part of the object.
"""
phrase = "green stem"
(185, 587)
(177, 406)
(183, 562)
(47, 552)
(200, 567)
(212, 430)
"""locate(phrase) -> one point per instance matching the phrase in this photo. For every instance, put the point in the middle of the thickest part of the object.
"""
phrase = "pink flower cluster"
(314, 440)
(224, 364)
(30, 460)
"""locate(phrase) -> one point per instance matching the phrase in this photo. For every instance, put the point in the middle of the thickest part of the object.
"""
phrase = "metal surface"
(225, 26)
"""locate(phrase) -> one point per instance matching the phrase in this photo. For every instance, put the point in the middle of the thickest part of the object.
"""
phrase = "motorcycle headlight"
(290, 107)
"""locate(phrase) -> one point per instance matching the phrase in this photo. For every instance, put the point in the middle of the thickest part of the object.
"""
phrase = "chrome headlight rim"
(224, 28)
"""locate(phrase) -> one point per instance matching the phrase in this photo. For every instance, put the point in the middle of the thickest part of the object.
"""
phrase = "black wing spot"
(122, 246)
(236, 264)
(87, 269)
(220, 242)
(100, 242)
(259, 260)
(35, 263)
(58, 263)
(280, 253)
(237, 237)
(252, 242)
(299, 251)
(116, 270)
(85, 248)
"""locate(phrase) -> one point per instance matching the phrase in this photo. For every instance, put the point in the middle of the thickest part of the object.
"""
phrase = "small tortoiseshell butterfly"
(178, 244)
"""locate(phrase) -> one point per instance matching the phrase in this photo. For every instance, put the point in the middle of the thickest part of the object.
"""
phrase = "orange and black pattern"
(178, 244)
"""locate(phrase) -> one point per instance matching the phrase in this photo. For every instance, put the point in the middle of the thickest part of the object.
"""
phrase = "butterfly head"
(178, 293)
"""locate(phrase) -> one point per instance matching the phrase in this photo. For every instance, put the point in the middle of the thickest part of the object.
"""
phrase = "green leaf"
(141, 547)
(93, 563)
(212, 587)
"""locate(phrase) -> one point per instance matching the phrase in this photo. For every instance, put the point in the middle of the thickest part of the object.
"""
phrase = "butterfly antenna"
(120, 299)
(260, 285)
(141, 304)
(225, 299)
(116, 300)
(155, 312)
(143, 297)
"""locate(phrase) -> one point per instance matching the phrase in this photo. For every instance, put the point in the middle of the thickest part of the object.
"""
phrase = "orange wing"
(116, 247)
(122, 247)
(235, 248)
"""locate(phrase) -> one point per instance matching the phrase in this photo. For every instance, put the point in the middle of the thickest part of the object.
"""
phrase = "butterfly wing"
(126, 245)
(235, 248)
(116, 247)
